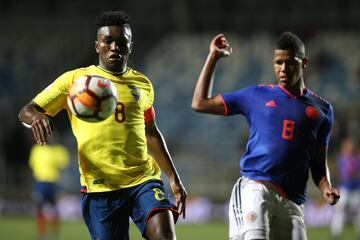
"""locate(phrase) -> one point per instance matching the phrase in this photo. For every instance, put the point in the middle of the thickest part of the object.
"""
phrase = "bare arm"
(41, 126)
(157, 148)
(321, 176)
(203, 101)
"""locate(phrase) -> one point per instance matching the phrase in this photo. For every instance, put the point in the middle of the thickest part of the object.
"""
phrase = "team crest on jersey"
(135, 91)
(250, 217)
(271, 103)
(311, 112)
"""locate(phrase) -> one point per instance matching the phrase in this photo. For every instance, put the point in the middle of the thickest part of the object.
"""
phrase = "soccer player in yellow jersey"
(119, 158)
(46, 163)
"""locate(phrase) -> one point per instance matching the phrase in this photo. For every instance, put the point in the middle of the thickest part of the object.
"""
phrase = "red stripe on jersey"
(266, 85)
(288, 93)
(149, 115)
(83, 189)
(225, 106)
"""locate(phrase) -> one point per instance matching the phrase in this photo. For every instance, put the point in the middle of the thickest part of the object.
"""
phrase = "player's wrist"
(174, 178)
(213, 56)
(324, 185)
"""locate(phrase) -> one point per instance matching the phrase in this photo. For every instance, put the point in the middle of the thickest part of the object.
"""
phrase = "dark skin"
(113, 45)
(288, 70)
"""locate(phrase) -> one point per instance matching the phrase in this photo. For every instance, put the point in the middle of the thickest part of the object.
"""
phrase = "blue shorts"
(107, 214)
(44, 192)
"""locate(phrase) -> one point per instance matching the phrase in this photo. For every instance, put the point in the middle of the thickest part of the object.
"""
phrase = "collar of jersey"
(114, 73)
(289, 94)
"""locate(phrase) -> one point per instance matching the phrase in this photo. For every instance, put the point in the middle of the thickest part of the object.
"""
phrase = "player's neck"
(297, 89)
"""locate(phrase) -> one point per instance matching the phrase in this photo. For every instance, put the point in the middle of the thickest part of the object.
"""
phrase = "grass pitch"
(23, 228)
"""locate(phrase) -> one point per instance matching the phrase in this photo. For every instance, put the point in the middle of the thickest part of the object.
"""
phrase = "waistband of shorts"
(273, 185)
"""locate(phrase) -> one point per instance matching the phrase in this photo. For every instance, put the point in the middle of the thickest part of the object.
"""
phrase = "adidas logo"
(271, 103)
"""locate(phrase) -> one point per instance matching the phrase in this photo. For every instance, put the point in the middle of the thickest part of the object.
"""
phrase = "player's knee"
(161, 227)
(167, 235)
(162, 234)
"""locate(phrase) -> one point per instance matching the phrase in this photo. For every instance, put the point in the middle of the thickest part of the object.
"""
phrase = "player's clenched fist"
(220, 46)
(331, 196)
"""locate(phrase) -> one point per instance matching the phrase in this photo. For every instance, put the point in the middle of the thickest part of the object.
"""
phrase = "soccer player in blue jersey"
(289, 134)
(348, 208)
(120, 157)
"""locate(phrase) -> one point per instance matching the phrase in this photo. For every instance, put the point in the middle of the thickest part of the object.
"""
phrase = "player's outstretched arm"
(203, 101)
(158, 149)
(32, 115)
(321, 176)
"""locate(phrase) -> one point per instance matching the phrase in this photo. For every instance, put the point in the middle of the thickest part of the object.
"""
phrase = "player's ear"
(304, 62)
(97, 46)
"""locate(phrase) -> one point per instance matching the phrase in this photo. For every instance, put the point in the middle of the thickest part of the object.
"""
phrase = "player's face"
(288, 68)
(114, 46)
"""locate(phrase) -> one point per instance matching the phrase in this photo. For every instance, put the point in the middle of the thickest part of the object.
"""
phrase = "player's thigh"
(289, 222)
(152, 204)
(106, 217)
(44, 192)
(235, 212)
(249, 211)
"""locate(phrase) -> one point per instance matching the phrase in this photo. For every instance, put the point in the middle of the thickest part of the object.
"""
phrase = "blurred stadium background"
(42, 39)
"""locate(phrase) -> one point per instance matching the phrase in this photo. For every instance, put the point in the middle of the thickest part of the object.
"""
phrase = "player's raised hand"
(41, 128)
(180, 196)
(331, 195)
(220, 46)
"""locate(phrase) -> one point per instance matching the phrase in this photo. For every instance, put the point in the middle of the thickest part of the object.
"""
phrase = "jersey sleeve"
(53, 98)
(151, 97)
(238, 102)
(323, 135)
(149, 114)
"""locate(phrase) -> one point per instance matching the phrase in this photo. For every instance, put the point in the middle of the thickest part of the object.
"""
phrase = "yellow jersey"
(112, 154)
(46, 162)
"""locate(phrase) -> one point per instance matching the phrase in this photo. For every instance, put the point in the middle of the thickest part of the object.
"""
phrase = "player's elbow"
(21, 115)
(197, 106)
(207, 106)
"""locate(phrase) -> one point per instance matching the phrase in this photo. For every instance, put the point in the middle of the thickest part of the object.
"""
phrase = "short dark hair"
(112, 18)
(289, 41)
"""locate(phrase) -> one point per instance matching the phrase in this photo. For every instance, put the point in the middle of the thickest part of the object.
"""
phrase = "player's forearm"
(162, 157)
(324, 183)
(203, 88)
(158, 149)
(319, 175)
(331, 195)
(320, 171)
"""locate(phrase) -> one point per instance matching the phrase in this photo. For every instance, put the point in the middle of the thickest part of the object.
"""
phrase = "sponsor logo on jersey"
(99, 181)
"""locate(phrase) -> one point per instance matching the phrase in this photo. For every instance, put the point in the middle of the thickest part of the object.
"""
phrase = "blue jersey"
(284, 132)
(348, 166)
